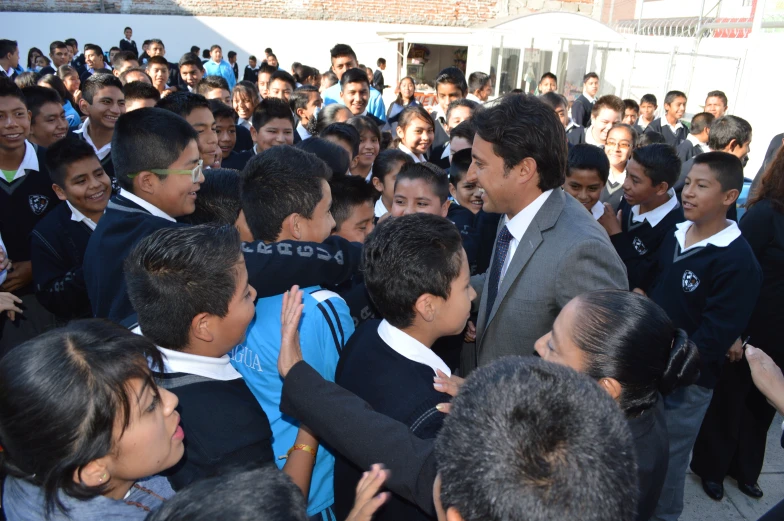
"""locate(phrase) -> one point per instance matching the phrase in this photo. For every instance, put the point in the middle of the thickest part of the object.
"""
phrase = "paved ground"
(736, 506)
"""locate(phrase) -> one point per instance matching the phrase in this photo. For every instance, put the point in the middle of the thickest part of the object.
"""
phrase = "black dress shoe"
(713, 489)
(750, 490)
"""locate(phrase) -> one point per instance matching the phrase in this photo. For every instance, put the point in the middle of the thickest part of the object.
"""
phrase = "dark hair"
(454, 76)
(133, 70)
(306, 73)
(387, 160)
(727, 168)
(57, 84)
(257, 494)
(248, 89)
(772, 184)
(326, 117)
(220, 199)
(72, 42)
(610, 102)
(301, 97)
(190, 59)
(412, 112)
(717, 94)
(174, 274)
(221, 110)
(205, 54)
(95, 48)
(649, 138)
(113, 48)
(123, 57)
(140, 90)
(464, 130)
(27, 79)
(335, 156)
(148, 138)
(183, 103)
(381, 61)
(461, 162)
(365, 124)
(589, 157)
(472, 106)
(549, 75)
(477, 81)
(9, 89)
(399, 99)
(354, 76)
(127, 29)
(629, 129)
(553, 445)
(232, 54)
(277, 183)
(284, 76)
(215, 46)
(156, 60)
(194, 49)
(265, 68)
(728, 128)
(631, 104)
(331, 76)
(590, 75)
(344, 132)
(269, 109)
(96, 82)
(63, 153)
(7, 47)
(36, 97)
(649, 98)
(429, 173)
(61, 396)
(57, 44)
(407, 257)
(700, 122)
(521, 126)
(30, 62)
(553, 100)
(209, 83)
(158, 41)
(342, 49)
(348, 192)
(672, 96)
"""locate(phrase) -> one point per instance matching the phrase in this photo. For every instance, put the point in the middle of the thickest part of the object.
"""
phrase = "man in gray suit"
(549, 249)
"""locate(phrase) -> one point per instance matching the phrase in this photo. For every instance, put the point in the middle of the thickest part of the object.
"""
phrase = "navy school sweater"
(106, 164)
(272, 268)
(709, 292)
(671, 138)
(638, 243)
(396, 387)
(57, 250)
(244, 140)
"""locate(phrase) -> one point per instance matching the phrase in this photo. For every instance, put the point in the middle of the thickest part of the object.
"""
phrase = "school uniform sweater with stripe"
(709, 290)
(671, 138)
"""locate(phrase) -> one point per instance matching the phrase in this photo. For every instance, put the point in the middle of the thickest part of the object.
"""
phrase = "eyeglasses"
(621, 145)
(195, 173)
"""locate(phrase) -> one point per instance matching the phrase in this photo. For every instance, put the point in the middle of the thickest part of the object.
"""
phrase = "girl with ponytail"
(628, 344)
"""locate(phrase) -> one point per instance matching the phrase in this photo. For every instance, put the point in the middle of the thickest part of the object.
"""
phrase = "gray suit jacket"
(564, 253)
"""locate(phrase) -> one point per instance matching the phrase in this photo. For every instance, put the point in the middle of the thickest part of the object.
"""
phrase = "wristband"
(300, 446)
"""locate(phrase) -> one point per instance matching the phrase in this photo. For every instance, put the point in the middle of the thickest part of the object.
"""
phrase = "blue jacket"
(222, 69)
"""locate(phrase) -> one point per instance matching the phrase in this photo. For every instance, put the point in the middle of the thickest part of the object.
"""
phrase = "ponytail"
(683, 364)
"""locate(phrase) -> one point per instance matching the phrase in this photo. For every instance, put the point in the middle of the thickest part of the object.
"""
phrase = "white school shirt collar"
(655, 216)
(597, 210)
(303, 133)
(674, 127)
(519, 224)
(589, 139)
(79, 217)
(722, 239)
(589, 97)
(29, 162)
(154, 210)
(369, 177)
(380, 210)
(417, 159)
(128, 40)
(9, 72)
(244, 123)
(439, 114)
(615, 179)
(472, 97)
(694, 141)
(447, 151)
(571, 125)
(409, 347)
(103, 151)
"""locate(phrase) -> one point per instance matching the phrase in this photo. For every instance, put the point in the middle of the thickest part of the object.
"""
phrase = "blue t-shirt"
(375, 103)
(222, 69)
(325, 328)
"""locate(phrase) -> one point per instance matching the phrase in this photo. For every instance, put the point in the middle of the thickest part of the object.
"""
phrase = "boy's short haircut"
(301, 97)
(549, 75)
(284, 76)
(269, 109)
(718, 94)
(221, 111)
(137, 90)
(205, 54)
(27, 79)
(216, 46)
(431, 174)
(553, 445)
(365, 124)
(672, 96)
(113, 48)
(345, 132)
(727, 168)
(454, 76)
(381, 61)
(7, 47)
(589, 157)
(156, 60)
(232, 54)
(461, 162)
(268, 50)
(9, 89)
(57, 44)
(660, 162)
(407, 257)
(357, 75)
(195, 49)
(122, 57)
(36, 97)
(387, 160)
(134, 70)
(650, 138)
(96, 82)
(220, 199)
(93, 47)
(277, 183)
(209, 83)
(335, 156)
(610, 102)
(700, 122)
(631, 104)
(146, 139)
(649, 98)
(330, 76)
(554, 100)
(127, 29)
(272, 55)
(472, 106)
(266, 68)
(177, 273)
(464, 130)
(252, 57)
(348, 192)
(342, 49)
(158, 41)
(183, 103)
(725, 129)
(190, 59)
(72, 42)
(146, 42)
(477, 81)
(63, 153)
(590, 75)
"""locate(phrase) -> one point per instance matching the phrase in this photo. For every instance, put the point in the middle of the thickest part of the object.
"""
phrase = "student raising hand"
(290, 314)
(8, 303)
(367, 500)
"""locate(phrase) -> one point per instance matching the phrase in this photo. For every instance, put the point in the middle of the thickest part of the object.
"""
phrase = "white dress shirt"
(417, 159)
(244, 123)
(589, 97)
(722, 239)
(78, 216)
(472, 97)
(590, 140)
(519, 224)
(615, 181)
(380, 210)
(694, 141)
(409, 347)
(656, 215)
(29, 162)
(154, 210)
(674, 127)
(100, 152)
(303, 134)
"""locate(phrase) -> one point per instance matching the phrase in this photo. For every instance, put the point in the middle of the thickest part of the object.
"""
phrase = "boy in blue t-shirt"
(286, 197)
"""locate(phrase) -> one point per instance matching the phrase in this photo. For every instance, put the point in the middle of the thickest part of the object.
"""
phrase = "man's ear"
(425, 307)
(730, 196)
(453, 191)
(84, 106)
(445, 206)
(59, 192)
(200, 327)
(662, 188)
(525, 170)
(147, 182)
(612, 386)
(732, 144)
(292, 226)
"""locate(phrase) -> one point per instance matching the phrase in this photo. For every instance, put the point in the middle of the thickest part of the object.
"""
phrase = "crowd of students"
(205, 281)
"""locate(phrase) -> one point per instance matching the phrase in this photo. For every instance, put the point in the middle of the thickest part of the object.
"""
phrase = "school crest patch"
(689, 281)
(38, 203)
(639, 246)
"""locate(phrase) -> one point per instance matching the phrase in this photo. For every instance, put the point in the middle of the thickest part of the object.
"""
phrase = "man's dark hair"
(36, 97)
(354, 76)
(727, 168)
(279, 182)
(266, 68)
(140, 90)
(387, 160)
(589, 157)
(7, 47)
(608, 101)
(381, 61)
(553, 445)
(63, 153)
(191, 59)
(95, 48)
(205, 54)
(96, 82)
(725, 129)
(348, 192)
(113, 48)
(252, 57)
(464, 130)
(9, 89)
(127, 29)
(209, 83)
(183, 103)
(269, 109)
(156, 60)
(57, 44)
(672, 96)
(124, 75)
(215, 46)
(177, 273)
(454, 76)
(339, 50)
(407, 257)
(232, 54)
(521, 126)
(284, 76)
(649, 98)
(344, 132)
(148, 138)
(477, 81)
(660, 162)
(650, 138)
(549, 75)
(195, 49)
(429, 173)
(260, 494)
(221, 110)
(700, 122)
(27, 79)
(146, 42)
(220, 199)
(301, 96)
(471, 105)
(631, 104)
(589, 76)
(158, 41)
(268, 50)
(461, 162)
(718, 94)
(122, 57)
(553, 100)
(335, 156)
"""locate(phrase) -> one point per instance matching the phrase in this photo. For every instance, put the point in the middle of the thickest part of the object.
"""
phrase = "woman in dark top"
(405, 98)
